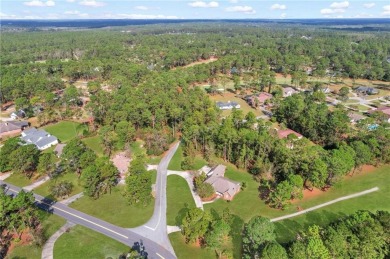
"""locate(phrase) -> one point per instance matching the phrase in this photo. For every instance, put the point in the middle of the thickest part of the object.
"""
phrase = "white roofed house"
(228, 105)
(40, 138)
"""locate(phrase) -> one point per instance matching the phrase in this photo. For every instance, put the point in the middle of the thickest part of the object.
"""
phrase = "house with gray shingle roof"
(9, 128)
(40, 138)
(223, 186)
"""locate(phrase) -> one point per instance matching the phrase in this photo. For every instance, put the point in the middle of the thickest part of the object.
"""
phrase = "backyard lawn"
(50, 223)
(65, 130)
(179, 199)
(114, 208)
(228, 96)
(95, 144)
(80, 243)
(71, 177)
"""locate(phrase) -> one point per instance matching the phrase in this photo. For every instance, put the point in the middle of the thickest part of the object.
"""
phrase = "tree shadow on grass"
(236, 225)
(287, 230)
(180, 216)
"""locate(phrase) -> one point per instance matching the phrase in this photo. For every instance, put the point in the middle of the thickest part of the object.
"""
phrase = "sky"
(187, 9)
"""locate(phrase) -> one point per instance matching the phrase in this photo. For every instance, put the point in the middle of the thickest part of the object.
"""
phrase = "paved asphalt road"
(156, 228)
(125, 236)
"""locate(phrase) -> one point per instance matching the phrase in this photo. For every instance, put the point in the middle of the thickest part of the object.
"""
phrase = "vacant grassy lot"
(137, 148)
(19, 180)
(50, 223)
(114, 208)
(95, 144)
(193, 251)
(179, 199)
(65, 130)
(44, 189)
(81, 243)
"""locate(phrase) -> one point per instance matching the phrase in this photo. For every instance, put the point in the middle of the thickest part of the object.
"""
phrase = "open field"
(179, 199)
(95, 144)
(44, 189)
(81, 243)
(65, 130)
(203, 61)
(112, 207)
(50, 223)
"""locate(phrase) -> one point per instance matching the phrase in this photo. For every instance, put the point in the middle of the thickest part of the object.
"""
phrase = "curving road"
(153, 235)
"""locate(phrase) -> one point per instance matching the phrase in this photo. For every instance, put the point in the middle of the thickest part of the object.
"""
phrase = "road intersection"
(152, 236)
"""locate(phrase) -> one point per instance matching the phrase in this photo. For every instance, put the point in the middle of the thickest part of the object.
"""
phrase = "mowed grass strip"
(81, 243)
(19, 180)
(179, 199)
(50, 224)
(113, 207)
(175, 163)
(65, 130)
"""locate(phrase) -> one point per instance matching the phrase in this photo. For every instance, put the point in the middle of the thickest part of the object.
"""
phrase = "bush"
(205, 190)
(61, 189)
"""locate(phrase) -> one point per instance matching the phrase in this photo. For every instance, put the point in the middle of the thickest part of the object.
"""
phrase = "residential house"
(355, 117)
(10, 128)
(366, 90)
(285, 133)
(18, 115)
(58, 149)
(258, 99)
(223, 186)
(228, 105)
(40, 138)
(288, 91)
(384, 110)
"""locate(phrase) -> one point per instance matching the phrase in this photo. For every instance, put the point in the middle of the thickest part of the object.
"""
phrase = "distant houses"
(384, 110)
(285, 133)
(10, 128)
(223, 186)
(228, 105)
(20, 114)
(259, 99)
(366, 90)
(40, 138)
(288, 91)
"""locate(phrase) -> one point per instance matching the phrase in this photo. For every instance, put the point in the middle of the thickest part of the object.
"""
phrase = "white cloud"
(278, 7)
(233, 1)
(72, 12)
(92, 3)
(7, 16)
(241, 9)
(202, 4)
(70, 1)
(331, 11)
(139, 16)
(283, 15)
(339, 5)
(141, 7)
(38, 3)
(386, 10)
(369, 5)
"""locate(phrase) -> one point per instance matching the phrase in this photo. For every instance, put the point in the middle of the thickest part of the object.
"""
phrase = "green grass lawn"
(65, 130)
(50, 223)
(71, 177)
(81, 243)
(247, 204)
(95, 144)
(179, 199)
(113, 208)
(175, 163)
(183, 250)
(19, 180)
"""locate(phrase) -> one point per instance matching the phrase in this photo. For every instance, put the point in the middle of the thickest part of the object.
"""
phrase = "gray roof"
(40, 138)
(12, 125)
(222, 104)
(220, 183)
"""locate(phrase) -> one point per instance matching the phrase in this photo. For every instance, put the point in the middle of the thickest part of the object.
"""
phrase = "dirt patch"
(24, 240)
(363, 170)
(203, 61)
(212, 197)
(307, 194)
